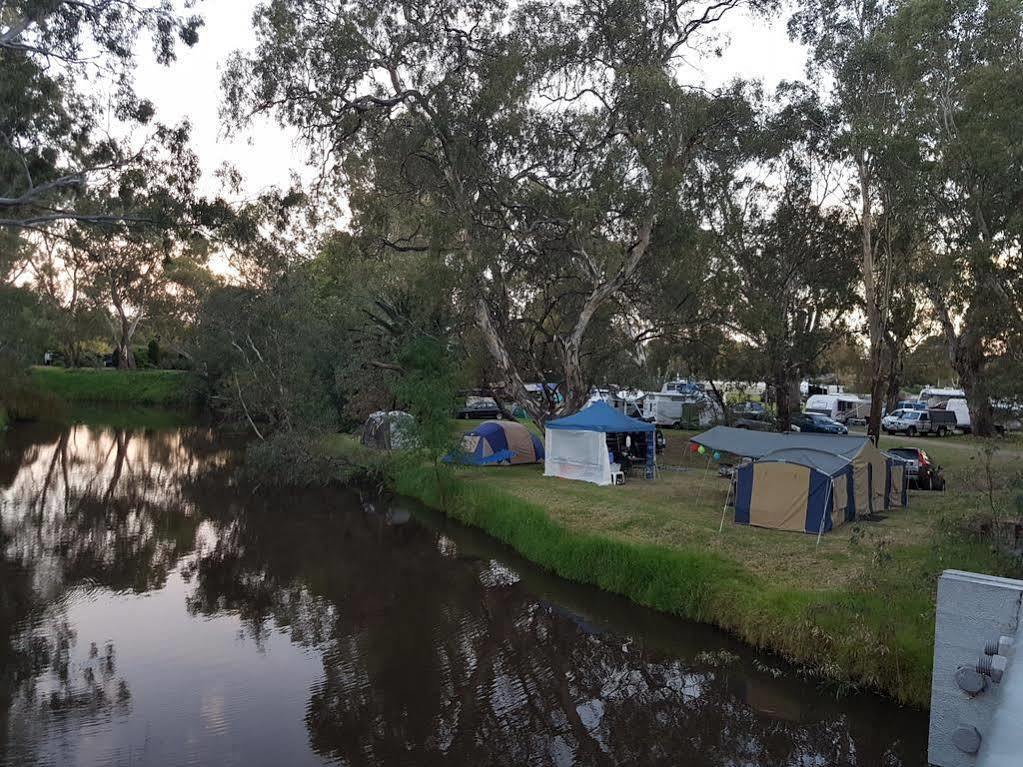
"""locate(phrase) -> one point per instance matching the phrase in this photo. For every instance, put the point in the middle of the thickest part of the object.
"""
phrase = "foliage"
(459, 130)
(427, 390)
(59, 59)
(294, 459)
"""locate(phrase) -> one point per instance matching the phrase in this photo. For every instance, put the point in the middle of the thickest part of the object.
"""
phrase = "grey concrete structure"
(976, 687)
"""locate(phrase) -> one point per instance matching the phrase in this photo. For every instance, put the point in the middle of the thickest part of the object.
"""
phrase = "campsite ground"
(857, 609)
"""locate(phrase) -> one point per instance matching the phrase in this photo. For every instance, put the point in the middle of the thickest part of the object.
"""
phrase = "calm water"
(153, 612)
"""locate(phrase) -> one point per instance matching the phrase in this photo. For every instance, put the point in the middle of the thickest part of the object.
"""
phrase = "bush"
(22, 401)
(295, 459)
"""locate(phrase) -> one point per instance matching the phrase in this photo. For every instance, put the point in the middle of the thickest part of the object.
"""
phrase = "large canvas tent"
(808, 482)
(576, 446)
(795, 489)
(498, 442)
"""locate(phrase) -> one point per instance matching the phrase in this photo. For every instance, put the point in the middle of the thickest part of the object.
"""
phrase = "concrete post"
(973, 683)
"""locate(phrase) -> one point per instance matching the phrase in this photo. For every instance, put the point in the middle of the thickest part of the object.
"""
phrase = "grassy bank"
(859, 609)
(162, 388)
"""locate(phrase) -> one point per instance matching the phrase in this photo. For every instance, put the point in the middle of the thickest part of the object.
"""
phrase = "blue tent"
(498, 442)
(585, 458)
(601, 417)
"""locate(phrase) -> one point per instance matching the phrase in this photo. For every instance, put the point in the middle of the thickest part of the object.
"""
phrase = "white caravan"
(841, 407)
(681, 404)
(962, 413)
(936, 397)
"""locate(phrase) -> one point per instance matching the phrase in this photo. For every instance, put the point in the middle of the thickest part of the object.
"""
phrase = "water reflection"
(154, 612)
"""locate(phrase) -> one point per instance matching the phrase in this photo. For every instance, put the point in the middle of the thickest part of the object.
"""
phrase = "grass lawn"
(858, 609)
(164, 388)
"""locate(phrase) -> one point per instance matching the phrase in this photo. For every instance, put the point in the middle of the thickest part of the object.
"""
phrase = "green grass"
(163, 388)
(129, 416)
(858, 610)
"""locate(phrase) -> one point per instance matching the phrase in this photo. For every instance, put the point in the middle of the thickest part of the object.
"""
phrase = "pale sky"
(268, 155)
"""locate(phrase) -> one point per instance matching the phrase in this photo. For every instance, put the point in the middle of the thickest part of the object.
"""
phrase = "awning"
(601, 417)
(757, 444)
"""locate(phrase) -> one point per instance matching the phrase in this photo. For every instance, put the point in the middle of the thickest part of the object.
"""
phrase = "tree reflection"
(433, 658)
(433, 652)
(88, 509)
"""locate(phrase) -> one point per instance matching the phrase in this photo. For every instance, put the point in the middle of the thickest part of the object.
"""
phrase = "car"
(890, 420)
(923, 473)
(914, 422)
(754, 409)
(755, 422)
(482, 408)
(815, 423)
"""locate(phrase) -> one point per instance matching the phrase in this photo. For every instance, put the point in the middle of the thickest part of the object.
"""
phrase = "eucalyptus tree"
(535, 146)
(787, 256)
(853, 64)
(58, 58)
(964, 60)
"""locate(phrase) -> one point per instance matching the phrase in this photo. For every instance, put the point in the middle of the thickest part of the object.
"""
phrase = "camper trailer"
(962, 413)
(841, 407)
(937, 397)
(681, 404)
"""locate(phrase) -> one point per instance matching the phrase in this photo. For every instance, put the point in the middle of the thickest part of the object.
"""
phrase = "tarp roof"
(600, 417)
(822, 461)
(757, 444)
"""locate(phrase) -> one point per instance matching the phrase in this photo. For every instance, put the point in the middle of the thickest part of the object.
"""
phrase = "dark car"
(481, 408)
(923, 473)
(815, 423)
(754, 421)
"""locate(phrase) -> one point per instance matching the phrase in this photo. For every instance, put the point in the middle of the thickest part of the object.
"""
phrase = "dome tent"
(389, 430)
(498, 442)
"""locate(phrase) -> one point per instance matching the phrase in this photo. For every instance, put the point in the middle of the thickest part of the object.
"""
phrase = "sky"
(267, 155)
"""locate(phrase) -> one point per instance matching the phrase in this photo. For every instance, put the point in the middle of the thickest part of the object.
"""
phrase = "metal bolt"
(970, 681)
(967, 739)
(1000, 646)
(993, 666)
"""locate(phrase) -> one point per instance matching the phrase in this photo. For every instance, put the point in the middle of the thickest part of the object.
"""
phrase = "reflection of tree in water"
(434, 660)
(83, 509)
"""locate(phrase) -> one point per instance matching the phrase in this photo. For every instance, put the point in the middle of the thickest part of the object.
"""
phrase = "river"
(153, 611)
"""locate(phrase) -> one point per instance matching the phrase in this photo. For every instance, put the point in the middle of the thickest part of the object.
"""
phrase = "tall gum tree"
(849, 45)
(965, 61)
(537, 146)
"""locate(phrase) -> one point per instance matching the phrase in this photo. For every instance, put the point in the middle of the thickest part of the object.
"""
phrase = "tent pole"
(724, 508)
(699, 496)
(827, 497)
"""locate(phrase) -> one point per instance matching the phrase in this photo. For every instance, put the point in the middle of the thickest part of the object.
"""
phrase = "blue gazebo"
(576, 446)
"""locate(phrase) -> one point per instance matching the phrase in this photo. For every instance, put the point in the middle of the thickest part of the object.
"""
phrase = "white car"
(890, 421)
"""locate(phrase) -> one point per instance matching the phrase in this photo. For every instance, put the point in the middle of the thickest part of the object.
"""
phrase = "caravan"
(962, 414)
(935, 397)
(841, 407)
(681, 404)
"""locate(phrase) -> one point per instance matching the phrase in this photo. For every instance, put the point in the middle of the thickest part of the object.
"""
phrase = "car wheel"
(911, 431)
(942, 431)
(924, 484)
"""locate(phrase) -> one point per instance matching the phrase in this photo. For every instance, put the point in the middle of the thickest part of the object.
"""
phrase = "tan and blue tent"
(807, 482)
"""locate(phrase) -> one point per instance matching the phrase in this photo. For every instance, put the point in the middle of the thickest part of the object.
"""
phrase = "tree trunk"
(125, 356)
(875, 320)
(968, 362)
(783, 399)
(895, 366)
(966, 354)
